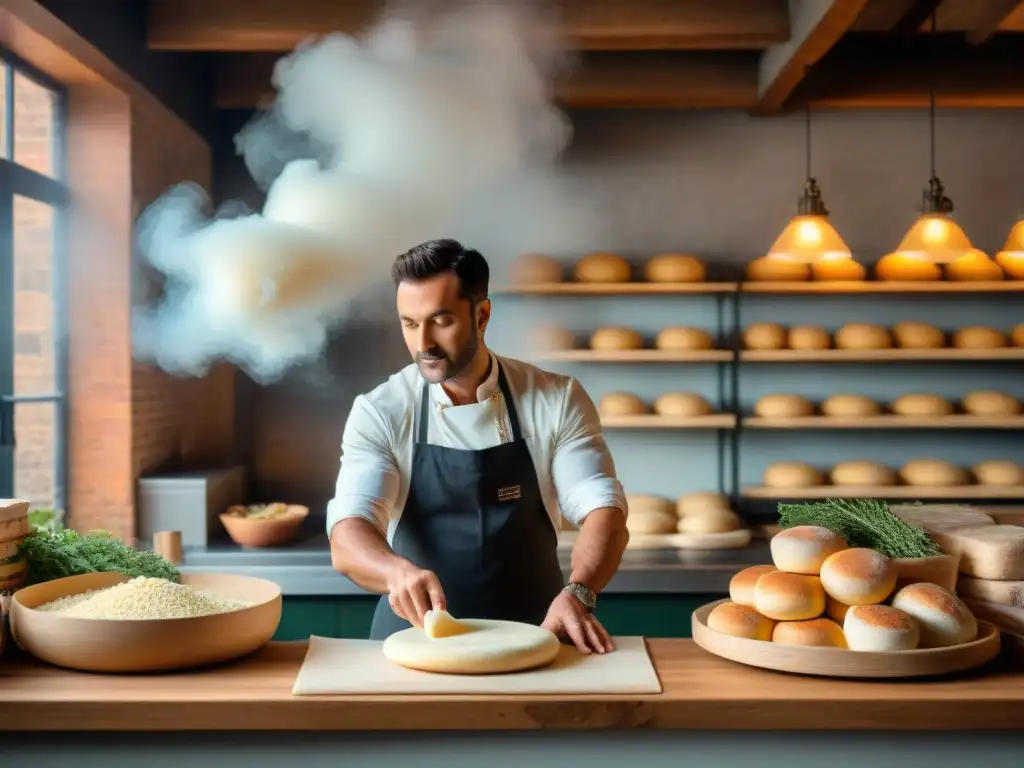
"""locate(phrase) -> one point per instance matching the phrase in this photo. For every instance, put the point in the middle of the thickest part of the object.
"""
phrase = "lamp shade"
(1015, 240)
(936, 237)
(809, 238)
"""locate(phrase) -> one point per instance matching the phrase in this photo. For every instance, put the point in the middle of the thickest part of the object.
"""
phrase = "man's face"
(442, 329)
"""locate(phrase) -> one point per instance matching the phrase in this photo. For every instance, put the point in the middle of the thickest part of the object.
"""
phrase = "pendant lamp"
(934, 236)
(809, 236)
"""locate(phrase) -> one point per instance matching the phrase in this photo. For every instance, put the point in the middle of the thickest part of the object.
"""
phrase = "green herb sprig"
(54, 554)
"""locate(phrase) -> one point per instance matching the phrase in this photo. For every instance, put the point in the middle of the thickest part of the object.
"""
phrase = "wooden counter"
(701, 692)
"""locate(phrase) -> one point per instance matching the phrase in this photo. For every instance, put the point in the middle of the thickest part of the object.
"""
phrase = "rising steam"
(373, 145)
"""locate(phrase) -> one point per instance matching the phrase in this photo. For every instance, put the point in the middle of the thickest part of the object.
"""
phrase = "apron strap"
(510, 406)
(421, 434)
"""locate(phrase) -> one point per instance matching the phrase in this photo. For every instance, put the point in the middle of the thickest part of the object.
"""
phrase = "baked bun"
(974, 265)
(990, 403)
(862, 472)
(863, 336)
(684, 339)
(942, 617)
(804, 548)
(838, 269)
(621, 404)
(674, 268)
(783, 407)
(933, 472)
(768, 270)
(998, 472)
(880, 628)
(835, 609)
(792, 474)
(900, 266)
(639, 503)
(913, 335)
(532, 268)
(651, 523)
(602, 268)
(789, 596)
(849, 406)
(682, 405)
(709, 520)
(808, 337)
(615, 339)
(1017, 335)
(818, 632)
(979, 337)
(764, 336)
(551, 338)
(699, 501)
(741, 586)
(921, 404)
(858, 576)
(740, 621)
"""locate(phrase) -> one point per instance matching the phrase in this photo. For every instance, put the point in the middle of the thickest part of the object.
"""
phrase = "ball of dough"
(858, 576)
(921, 404)
(822, 632)
(803, 548)
(675, 268)
(684, 339)
(643, 503)
(532, 268)
(973, 265)
(1017, 335)
(899, 266)
(792, 474)
(764, 336)
(621, 404)
(650, 523)
(913, 335)
(998, 472)
(710, 520)
(783, 407)
(838, 269)
(808, 337)
(769, 270)
(990, 403)
(880, 628)
(1012, 264)
(864, 473)
(602, 268)
(849, 406)
(615, 339)
(932, 472)
(740, 621)
(863, 336)
(741, 586)
(835, 609)
(700, 501)
(789, 596)
(942, 618)
(979, 337)
(683, 405)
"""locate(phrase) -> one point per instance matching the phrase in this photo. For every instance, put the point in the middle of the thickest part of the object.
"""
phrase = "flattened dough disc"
(490, 647)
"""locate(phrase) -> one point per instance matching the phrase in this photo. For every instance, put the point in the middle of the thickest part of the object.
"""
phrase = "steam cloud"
(426, 126)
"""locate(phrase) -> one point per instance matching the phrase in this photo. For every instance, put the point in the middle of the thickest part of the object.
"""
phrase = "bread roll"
(550, 338)
(700, 501)
(650, 523)
(838, 269)
(682, 405)
(602, 268)
(740, 621)
(990, 403)
(675, 268)
(783, 407)
(803, 548)
(942, 618)
(684, 339)
(880, 628)
(998, 472)
(814, 632)
(835, 609)
(979, 337)
(1012, 263)
(644, 503)
(764, 336)
(709, 520)
(741, 586)
(1017, 335)
(773, 270)
(861, 472)
(849, 406)
(808, 337)
(863, 336)
(615, 339)
(899, 266)
(921, 404)
(789, 596)
(858, 576)
(913, 335)
(621, 404)
(973, 265)
(791, 475)
(532, 268)
(932, 472)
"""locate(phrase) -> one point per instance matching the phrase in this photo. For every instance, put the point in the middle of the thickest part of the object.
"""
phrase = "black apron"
(477, 520)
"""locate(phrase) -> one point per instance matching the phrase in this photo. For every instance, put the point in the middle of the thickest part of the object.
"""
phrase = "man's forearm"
(599, 547)
(359, 552)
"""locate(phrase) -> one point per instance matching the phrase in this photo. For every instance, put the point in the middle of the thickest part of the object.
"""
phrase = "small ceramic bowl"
(264, 532)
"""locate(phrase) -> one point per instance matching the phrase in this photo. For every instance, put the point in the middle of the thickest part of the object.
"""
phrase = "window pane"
(36, 453)
(35, 310)
(34, 125)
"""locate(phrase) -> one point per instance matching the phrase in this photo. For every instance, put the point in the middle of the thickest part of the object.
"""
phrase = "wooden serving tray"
(839, 662)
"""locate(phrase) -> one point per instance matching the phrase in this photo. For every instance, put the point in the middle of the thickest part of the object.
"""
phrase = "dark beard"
(452, 368)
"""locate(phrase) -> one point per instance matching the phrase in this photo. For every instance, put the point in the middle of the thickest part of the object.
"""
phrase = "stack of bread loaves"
(863, 473)
(700, 520)
(14, 528)
(821, 592)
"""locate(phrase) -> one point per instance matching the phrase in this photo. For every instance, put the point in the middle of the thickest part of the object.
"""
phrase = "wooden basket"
(840, 662)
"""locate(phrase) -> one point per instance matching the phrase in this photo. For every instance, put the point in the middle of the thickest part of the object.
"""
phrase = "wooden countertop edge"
(701, 692)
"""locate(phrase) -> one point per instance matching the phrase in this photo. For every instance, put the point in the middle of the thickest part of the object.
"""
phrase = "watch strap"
(583, 593)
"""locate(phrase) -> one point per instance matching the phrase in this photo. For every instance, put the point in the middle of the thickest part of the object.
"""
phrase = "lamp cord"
(931, 90)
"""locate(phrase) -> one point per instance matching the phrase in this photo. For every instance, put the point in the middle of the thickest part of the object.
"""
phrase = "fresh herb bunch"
(863, 523)
(54, 554)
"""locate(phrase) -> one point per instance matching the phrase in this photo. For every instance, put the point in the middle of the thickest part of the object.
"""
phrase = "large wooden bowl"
(147, 645)
(265, 532)
(840, 662)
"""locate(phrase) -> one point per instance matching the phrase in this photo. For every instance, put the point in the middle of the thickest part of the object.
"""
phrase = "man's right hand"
(413, 591)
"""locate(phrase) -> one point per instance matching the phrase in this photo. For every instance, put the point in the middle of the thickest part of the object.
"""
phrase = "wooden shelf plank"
(948, 354)
(615, 289)
(882, 286)
(637, 356)
(890, 492)
(888, 421)
(654, 421)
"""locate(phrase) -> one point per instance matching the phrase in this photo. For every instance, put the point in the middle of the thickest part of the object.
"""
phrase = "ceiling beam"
(817, 26)
(990, 15)
(917, 18)
(593, 25)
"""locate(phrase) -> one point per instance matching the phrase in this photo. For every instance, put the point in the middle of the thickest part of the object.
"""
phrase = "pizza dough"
(998, 472)
(602, 268)
(621, 404)
(863, 336)
(616, 339)
(838, 269)
(849, 406)
(764, 336)
(899, 266)
(769, 270)
(709, 520)
(1017, 335)
(979, 337)
(490, 647)
(932, 472)
(439, 623)
(973, 265)
(808, 337)
(684, 339)
(913, 335)
(675, 268)
(783, 407)
(864, 473)
(699, 502)
(532, 268)
(990, 403)
(792, 475)
(684, 405)
(921, 404)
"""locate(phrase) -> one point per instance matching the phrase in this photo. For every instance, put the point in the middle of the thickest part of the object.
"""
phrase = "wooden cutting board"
(358, 667)
(937, 517)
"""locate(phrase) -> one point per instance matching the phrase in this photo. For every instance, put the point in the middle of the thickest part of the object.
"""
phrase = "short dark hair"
(435, 257)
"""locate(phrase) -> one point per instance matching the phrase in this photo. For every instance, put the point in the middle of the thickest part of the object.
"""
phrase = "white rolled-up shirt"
(557, 419)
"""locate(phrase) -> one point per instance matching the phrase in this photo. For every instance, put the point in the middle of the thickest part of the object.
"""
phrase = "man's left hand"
(569, 619)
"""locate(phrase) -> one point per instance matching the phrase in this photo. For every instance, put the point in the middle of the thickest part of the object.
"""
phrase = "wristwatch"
(583, 593)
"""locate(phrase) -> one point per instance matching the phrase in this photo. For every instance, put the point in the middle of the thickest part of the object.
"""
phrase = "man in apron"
(454, 472)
